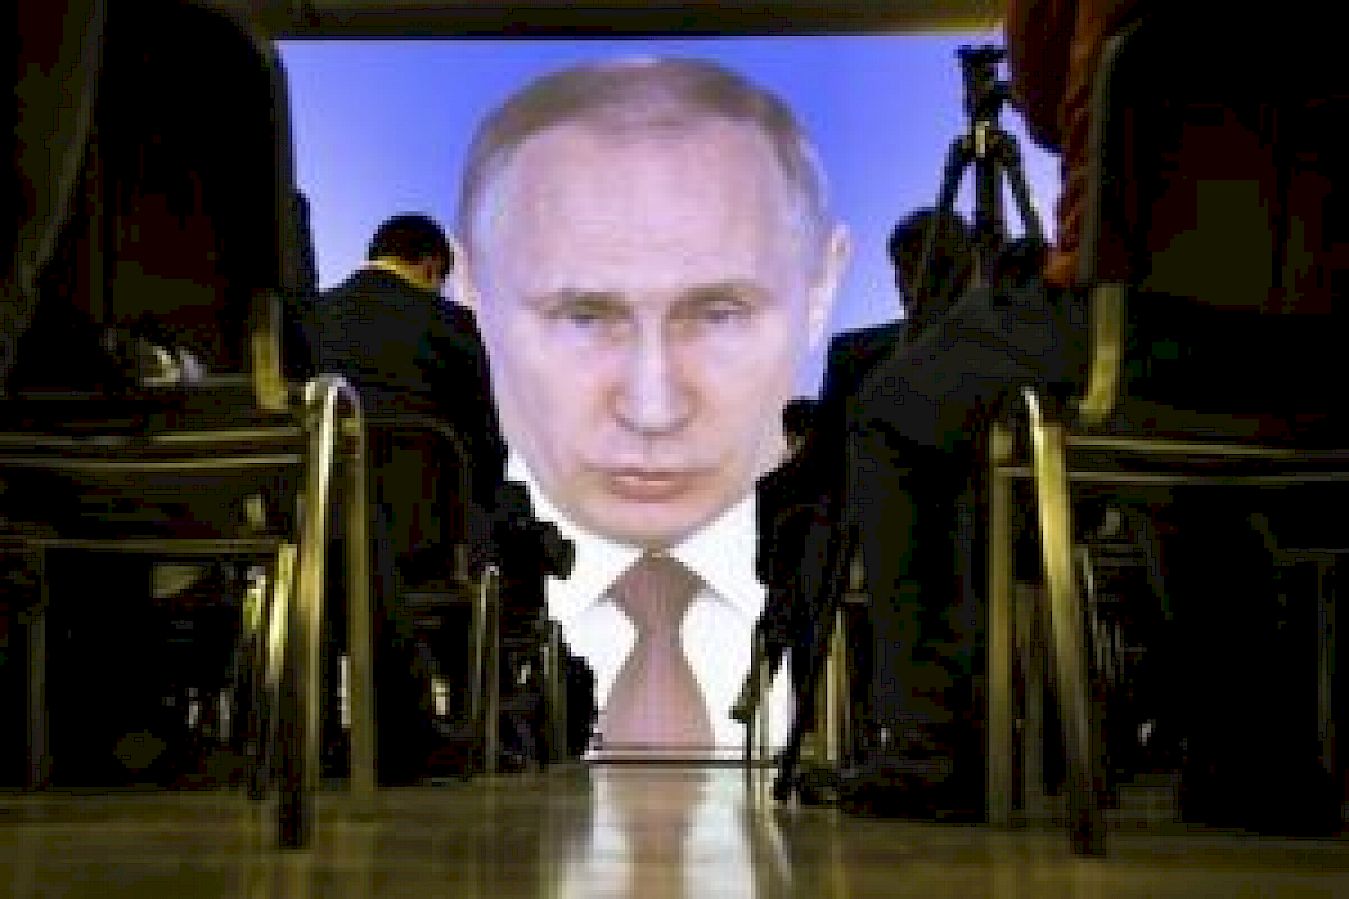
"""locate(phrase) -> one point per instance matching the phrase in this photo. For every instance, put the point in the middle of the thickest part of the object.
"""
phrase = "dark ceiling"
(422, 18)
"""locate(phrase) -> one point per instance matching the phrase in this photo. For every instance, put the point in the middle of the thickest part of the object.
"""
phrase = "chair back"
(1216, 205)
(181, 226)
(422, 479)
(52, 53)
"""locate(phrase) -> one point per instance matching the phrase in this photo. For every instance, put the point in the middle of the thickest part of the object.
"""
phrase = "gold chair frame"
(316, 425)
(1062, 457)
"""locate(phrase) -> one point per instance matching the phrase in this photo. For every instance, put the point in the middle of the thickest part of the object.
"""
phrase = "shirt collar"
(400, 270)
(721, 554)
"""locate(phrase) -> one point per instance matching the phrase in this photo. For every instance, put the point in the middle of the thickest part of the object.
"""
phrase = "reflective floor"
(622, 831)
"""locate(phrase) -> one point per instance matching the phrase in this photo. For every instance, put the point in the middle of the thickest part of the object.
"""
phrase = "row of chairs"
(494, 654)
(1212, 269)
(1211, 233)
(153, 398)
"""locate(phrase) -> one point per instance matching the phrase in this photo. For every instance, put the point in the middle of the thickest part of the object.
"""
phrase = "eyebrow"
(567, 296)
(736, 289)
(744, 291)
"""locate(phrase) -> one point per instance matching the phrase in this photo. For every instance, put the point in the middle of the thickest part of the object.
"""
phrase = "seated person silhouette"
(408, 352)
(788, 551)
(582, 713)
(923, 298)
(910, 422)
(406, 348)
(797, 499)
(1233, 311)
(915, 417)
(901, 405)
(528, 551)
(927, 295)
(799, 548)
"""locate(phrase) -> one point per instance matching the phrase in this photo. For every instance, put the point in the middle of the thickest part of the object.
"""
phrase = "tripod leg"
(1010, 160)
(785, 784)
(823, 615)
(767, 650)
(957, 160)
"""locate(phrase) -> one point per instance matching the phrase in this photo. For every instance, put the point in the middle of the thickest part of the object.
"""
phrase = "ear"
(429, 271)
(824, 291)
(462, 289)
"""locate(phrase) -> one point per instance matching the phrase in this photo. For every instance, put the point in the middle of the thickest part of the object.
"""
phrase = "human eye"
(587, 314)
(584, 315)
(717, 308)
(722, 312)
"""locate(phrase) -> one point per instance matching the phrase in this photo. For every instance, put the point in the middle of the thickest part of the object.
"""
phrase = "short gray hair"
(640, 94)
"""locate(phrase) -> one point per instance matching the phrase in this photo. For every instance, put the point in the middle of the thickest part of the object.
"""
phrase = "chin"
(649, 528)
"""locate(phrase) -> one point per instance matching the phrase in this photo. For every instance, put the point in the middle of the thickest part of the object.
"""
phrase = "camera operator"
(799, 499)
(926, 295)
(912, 420)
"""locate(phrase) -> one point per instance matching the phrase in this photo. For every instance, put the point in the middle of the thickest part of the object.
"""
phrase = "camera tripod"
(994, 155)
(822, 614)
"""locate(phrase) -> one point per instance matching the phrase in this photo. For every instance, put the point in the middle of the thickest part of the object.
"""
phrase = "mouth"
(649, 484)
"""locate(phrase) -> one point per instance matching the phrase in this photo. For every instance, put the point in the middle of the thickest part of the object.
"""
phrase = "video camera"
(519, 538)
(984, 92)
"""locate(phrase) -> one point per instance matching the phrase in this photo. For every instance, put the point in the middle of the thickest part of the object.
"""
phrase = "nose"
(652, 397)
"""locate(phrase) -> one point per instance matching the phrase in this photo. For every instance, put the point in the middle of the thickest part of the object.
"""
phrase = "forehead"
(646, 203)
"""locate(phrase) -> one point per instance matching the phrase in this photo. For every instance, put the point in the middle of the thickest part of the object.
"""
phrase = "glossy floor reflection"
(613, 831)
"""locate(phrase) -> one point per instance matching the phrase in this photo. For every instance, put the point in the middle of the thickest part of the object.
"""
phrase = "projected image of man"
(650, 255)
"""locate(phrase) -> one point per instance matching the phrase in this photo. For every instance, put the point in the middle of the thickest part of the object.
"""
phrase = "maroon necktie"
(655, 701)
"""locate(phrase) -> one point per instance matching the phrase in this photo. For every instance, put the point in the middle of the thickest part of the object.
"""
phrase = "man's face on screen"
(646, 300)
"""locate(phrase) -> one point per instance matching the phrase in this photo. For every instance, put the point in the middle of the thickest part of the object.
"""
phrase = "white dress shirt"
(718, 630)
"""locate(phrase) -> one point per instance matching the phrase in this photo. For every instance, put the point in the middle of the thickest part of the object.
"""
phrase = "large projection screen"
(382, 127)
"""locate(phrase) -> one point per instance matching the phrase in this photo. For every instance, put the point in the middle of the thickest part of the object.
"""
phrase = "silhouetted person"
(790, 555)
(926, 295)
(407, 349)
(409, 353)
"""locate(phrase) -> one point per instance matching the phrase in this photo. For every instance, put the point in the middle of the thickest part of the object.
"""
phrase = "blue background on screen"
(382, 127)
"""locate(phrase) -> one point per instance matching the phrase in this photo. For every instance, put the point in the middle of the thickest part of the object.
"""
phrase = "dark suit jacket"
(797, 499)
(779, 492)
(852, 355)
(792, 496)
(409, 351)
